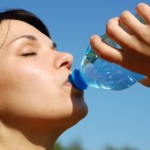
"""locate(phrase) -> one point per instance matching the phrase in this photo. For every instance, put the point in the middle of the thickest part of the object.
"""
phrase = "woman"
(37, 103)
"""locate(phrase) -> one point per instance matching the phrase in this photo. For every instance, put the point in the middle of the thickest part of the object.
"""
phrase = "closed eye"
(28, 54)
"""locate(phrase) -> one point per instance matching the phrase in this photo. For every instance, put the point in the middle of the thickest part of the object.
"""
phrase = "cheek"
(30, 92)
(37, 92)
(28, 84)
(35, 80)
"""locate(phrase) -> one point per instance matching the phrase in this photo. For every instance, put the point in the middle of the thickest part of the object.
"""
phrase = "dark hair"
(26, 16)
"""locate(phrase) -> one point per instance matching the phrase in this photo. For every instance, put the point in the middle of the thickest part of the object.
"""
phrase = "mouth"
(70, 83)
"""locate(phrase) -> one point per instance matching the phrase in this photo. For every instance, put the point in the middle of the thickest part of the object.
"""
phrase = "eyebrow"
(31, 37)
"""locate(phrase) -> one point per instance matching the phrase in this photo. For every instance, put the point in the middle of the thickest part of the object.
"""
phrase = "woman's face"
(34, 78)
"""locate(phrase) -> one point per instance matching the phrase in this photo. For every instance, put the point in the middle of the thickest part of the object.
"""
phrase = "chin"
(75, 118)
(80, 109)
(76, 109)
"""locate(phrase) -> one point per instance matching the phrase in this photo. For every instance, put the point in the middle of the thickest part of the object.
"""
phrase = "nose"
(65, 60)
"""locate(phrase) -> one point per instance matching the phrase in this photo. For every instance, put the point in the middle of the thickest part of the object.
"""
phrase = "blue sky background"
(114, 118)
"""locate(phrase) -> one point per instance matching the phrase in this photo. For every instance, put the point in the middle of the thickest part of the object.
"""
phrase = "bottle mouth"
(76, 80)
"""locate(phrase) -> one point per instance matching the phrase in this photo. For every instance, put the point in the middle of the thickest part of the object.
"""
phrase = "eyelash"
(29, 54)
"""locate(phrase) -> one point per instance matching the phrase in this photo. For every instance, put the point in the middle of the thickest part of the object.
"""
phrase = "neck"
(27, 138)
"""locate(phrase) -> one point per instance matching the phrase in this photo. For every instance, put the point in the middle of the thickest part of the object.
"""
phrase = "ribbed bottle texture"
(98, 73)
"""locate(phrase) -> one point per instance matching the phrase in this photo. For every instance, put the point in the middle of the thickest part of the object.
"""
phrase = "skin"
(135, 52)
(37, 103)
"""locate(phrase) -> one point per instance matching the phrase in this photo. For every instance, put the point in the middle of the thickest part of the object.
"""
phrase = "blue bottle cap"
(77, 80)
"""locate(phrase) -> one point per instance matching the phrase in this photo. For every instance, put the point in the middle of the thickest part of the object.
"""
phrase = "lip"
(74, 89)
(69, 83)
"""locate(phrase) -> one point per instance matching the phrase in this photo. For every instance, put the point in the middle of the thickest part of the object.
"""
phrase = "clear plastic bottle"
(98, 73)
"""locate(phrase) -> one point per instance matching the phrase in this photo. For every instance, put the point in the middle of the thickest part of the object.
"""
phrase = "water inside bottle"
(99, 73)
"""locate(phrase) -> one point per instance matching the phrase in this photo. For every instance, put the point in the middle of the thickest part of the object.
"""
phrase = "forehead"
(11, 29)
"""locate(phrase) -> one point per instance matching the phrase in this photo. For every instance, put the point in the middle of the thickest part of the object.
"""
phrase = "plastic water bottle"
(98, 73)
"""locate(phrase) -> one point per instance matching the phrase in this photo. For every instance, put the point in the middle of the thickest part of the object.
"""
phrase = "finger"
(118, 34)
(139, 32)
(105, 51)
(131, 23)
(144, 11)
(146, 82)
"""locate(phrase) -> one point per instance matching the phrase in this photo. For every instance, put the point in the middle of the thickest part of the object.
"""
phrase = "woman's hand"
(135, 43)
